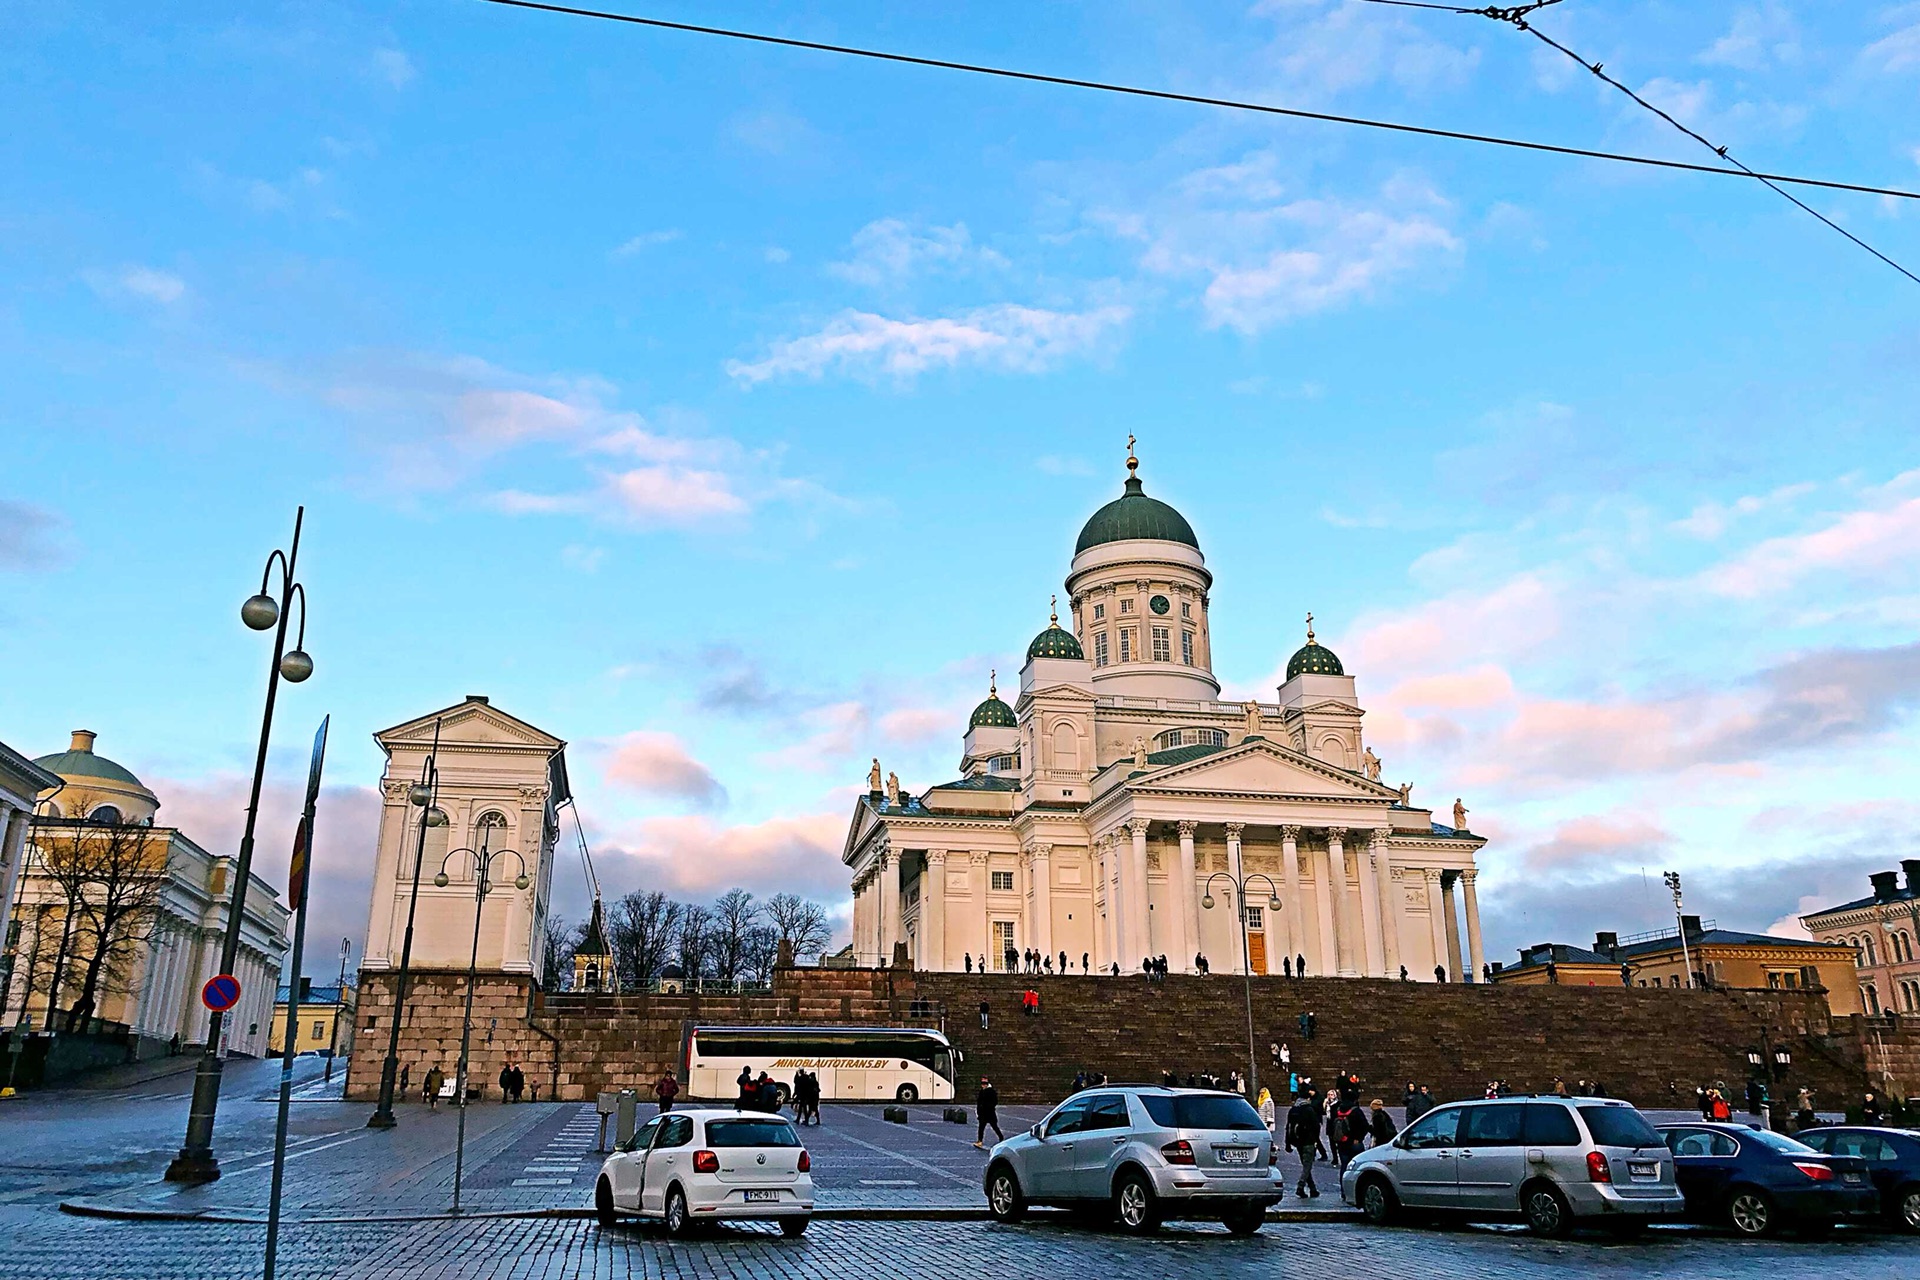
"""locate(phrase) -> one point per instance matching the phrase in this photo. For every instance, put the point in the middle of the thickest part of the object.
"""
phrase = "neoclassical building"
(1104, 813)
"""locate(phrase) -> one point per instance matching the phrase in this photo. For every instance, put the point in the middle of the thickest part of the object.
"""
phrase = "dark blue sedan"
(1893, 1163)
(1756, 1181)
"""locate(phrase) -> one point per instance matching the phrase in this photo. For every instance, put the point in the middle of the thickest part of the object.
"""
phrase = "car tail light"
(706, 1162)
(806, 1161)
(1179, 1151)
(1598, 1170)
(1818, 1172)
(1273, 1154)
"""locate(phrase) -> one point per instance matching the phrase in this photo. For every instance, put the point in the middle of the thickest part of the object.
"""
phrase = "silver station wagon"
(1149, 1154)
(1550, 1162)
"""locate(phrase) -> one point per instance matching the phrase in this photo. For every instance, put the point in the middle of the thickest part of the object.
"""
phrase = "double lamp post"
(1237, 891)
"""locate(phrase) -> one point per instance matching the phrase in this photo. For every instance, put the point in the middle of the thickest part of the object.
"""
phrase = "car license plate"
(1235, 1155)
(1648, 1169)
(762, 1195)
(1852, 1177)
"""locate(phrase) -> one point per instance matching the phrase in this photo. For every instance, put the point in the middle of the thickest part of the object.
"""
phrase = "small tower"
(1318, 706)
(593, 960)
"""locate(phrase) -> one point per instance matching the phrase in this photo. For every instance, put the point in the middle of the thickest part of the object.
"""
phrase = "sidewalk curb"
(84, 1208)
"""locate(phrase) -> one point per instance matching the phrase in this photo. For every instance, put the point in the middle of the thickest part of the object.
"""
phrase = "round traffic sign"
(221, 993)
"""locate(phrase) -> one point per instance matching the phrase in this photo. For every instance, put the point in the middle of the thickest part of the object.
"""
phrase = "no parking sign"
(221, 993)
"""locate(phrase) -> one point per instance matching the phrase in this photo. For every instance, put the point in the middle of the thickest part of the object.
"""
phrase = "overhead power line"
(1166, 95)
(1516, 16)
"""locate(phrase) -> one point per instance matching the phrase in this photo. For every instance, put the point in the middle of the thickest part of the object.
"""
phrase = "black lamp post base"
(381, 1120)
(195, 1167)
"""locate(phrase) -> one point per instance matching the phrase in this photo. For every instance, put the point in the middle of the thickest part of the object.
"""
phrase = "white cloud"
(1005, 337)
(26, 536)
(148, 284)
(659, 764)
(394, 66)
(1894, 53)
(1340, 47)
(694, 856)
(1711, 519)
(889, 252)
(646, 240)
(1761, 37)
(1881, 535)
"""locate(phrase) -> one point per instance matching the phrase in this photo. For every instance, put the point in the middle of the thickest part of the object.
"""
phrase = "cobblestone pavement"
(44, 1245)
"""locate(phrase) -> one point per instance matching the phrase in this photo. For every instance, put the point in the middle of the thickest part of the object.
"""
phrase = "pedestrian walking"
(1063, 962)
(1803, 1113)
(749, 1097)
(1871, 1109)
(519, 1082)
(1265, 1107)
(665, 1090)
(1299, 966)
(1084, 958)
(983, 1015)
(969, 961)
(435, 1079)
(1303, 1139)
(986, 1111)
(506, 1083)
(1380, 1124)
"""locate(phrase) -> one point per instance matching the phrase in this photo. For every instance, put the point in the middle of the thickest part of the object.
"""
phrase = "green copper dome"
(1055, 643)
(993, 713)
(1134, 515)
(1314, 658)
(79, 761)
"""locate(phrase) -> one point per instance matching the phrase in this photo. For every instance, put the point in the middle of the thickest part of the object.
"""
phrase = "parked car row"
(1151, 1154)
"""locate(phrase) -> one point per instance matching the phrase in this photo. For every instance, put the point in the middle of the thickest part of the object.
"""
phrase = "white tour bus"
(905, 1064)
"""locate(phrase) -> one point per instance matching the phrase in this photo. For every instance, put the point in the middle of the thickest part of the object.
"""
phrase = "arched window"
(1873, 1000)
(109, 814)
(490, 832)
(1868, 944)
(1066, 747)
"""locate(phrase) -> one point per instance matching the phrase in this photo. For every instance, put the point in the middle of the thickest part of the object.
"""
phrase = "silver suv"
(1148, 1153)
(1551, 1162)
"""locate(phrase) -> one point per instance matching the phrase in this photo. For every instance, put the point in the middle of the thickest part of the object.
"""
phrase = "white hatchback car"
(689, 1167)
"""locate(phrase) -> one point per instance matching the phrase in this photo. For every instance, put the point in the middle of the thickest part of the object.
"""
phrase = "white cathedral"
(1109, 812)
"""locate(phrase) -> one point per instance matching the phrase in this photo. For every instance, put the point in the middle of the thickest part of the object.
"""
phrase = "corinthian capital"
(1187, 830)
(1234, 829)
(1290, 834)
(1139, 826)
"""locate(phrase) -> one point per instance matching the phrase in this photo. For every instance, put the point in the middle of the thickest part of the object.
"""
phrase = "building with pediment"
(501, 784)
(1104, 814)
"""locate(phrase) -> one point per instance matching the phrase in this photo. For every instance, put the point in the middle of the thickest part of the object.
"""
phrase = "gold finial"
(1310, 639)
(1133, 463)
(1053, 610)
(993, 687)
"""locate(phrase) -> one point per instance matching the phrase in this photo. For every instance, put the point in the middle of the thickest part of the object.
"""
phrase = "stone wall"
(1456, 1038)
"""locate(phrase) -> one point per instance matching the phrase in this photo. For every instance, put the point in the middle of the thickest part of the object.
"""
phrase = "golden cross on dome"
(1053, 610)
(1133, 463)
(1310, 639)
(993, 687)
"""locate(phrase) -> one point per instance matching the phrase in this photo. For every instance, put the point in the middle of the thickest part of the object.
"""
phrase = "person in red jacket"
(666, 1090)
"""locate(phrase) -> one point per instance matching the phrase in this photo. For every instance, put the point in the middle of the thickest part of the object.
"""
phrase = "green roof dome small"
(1134, 515)
(1314, 658)
(79, 761)
(1055, 643)
(993, 713)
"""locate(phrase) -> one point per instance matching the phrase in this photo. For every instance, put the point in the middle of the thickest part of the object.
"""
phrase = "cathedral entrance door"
(1257, 951)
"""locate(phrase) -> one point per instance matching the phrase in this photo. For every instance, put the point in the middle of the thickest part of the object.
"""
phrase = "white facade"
(1098, 813)
(502, 782)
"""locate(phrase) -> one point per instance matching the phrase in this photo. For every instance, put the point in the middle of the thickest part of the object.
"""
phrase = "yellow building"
(1720, 958)
(326, 1021)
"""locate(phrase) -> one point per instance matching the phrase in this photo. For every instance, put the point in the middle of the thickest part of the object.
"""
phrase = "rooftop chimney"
(306, 990)
(1886, 885)
(480, 698)
(83, 740)
(1690, 925)
(1605, 943)
(1912, 867)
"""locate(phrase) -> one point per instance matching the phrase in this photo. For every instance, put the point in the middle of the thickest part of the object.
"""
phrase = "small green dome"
(993, 713)
(1055, 643)
(1314, 658)
(1134, 515)
(79, 761)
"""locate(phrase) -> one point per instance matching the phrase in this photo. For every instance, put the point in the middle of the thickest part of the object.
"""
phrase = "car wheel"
(1750, 1212)
(1907, 1208)
(603, 1204)
(794, 1226)
(1378, 1202)
(782, 1094)
(678, 1219)
(1004, 1199)
(1546, 1210)
(906, 1093)
(1245, 1222)
(1135, 1207)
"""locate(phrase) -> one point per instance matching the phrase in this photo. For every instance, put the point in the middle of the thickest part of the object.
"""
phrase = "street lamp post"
(421, 796)
(1686, 957)
(195, 1161)
(482, 884)
(1238, 887)
(339, 1006)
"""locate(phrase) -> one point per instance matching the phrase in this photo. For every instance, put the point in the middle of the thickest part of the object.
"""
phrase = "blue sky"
(730, 411)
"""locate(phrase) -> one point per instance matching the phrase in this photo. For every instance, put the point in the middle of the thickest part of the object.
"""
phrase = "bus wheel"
(906, 1093)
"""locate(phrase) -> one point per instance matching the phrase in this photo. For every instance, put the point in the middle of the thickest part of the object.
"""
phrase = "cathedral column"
(1389, 903)
(1435, 908)
(1236, 867)
(1323, 908)
(1474, 952)
(889, 864)
(933, 911)
(1374, 962)
(1040, 877)
(1453, 927)
(1141, 932)
(1290, 876)
(1110, 883)
(1336, 863)
(1186, 903)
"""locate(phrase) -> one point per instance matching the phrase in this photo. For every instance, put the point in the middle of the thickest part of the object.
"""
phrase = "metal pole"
(339, 1007)
(196, 1162)
(466, 1024)
(1246, 976)
(382, 1117)
(286, 1083)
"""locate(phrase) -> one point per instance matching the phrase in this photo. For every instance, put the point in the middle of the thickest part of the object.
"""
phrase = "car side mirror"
(1034, 1132)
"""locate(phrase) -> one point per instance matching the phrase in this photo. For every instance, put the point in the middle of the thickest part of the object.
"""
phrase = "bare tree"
(557, 947)
(643, 929)
(735, 913)
(800, 922)
(762, 947)
(110, 877)
(696, 942)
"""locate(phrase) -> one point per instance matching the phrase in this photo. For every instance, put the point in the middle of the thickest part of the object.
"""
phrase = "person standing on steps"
(1299, 966)
(986, 1108)
(983, 1015)
(1303, 1137)
(1084, 970)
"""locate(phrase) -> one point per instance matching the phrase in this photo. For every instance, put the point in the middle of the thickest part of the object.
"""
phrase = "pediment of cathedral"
(1263, 768)
(470, 724)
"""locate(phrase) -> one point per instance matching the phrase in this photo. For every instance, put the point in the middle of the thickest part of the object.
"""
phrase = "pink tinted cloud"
(659, 764)
(1597, 838)
(691, 856)
(1860, 540)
